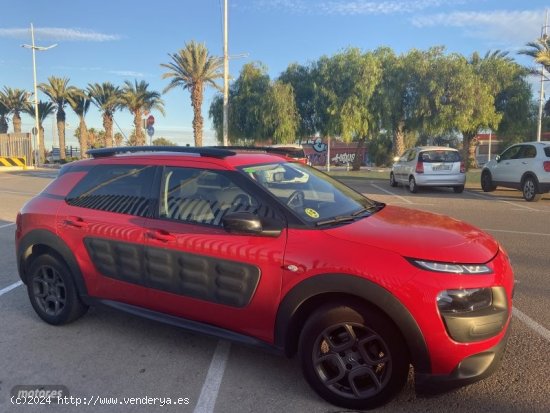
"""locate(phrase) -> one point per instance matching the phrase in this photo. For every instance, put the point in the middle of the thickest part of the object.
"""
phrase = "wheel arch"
(41, 241)
(308, 295)
(529, 174)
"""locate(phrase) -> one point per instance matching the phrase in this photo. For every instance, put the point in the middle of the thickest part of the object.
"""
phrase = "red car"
(252, 248)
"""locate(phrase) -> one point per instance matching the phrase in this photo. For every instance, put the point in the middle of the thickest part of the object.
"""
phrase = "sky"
(120, 40)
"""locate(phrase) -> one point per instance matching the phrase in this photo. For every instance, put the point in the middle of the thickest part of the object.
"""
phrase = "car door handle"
(76, 222)
(160, 235)
(525, 163)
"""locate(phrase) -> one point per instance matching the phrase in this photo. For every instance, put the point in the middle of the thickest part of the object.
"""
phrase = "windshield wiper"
(353, 216)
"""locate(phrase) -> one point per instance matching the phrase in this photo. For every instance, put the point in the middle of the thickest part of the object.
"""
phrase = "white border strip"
(394, 194)
(211, 386)
(7, 225)
(10, 287)
(544, 332)
(542, 234)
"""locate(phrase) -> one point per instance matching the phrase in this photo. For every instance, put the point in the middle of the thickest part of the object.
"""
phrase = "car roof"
(229, 158)
(435, 148)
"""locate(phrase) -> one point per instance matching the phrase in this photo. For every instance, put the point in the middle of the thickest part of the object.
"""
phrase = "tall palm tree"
(107, 98)
(137, 99)
(80, 101)
(14, 100)
(193, 69)
(45, 109)
(4, 111)
(58, 90)
(539, 50)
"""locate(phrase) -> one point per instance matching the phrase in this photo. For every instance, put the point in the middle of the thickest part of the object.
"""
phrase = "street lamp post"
(37, 123)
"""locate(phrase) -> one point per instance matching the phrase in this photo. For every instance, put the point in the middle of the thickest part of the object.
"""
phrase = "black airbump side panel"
(211, 279)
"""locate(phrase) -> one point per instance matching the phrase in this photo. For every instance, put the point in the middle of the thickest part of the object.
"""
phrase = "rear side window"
(439, 156)
(123, 189)
(547, 151)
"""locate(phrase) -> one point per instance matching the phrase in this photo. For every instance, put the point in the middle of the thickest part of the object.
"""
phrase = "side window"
(528, 151)
(203, 196)
(404, 156)
(511, 153)
(412, 155)
(123, 189)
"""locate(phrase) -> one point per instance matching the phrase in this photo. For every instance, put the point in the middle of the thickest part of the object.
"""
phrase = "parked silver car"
(524, 166)
(429, 166)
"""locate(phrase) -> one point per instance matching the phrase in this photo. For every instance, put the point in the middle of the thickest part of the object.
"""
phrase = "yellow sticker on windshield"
(311, 213)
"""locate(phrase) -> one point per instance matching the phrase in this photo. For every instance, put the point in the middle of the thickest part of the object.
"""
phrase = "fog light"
(463, 301)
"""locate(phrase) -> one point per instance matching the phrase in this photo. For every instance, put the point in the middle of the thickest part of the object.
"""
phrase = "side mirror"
(246, 223)
(497, 158)
(396, 158)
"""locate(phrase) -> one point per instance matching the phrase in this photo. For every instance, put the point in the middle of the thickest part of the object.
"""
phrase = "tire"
(530, 189)
(487, 184)
(52, 292)
(413, 187)
(393, 182)
(353, 357)
(458, 189)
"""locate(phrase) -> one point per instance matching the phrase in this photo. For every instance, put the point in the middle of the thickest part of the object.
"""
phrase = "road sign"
(150, 131)
(150, 120)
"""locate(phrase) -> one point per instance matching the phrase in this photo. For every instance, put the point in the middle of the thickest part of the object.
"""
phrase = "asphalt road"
(108, 354)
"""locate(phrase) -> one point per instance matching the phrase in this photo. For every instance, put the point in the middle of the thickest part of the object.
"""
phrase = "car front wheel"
(530, 189)
(487, 182)
(353, 357)
(52, 292)
(393, 182)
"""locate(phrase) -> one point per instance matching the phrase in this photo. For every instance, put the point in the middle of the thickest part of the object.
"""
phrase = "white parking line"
(18, 192)
(7, 225)
(211, 386)
(542, 234)
(544, 332)
(10, 287)
(515, 204)
(394, 194)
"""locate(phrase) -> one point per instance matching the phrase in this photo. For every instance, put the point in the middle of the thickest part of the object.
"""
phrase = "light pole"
(37, 123)
(543, 38)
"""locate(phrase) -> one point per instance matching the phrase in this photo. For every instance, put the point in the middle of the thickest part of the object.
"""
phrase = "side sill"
(190, 325)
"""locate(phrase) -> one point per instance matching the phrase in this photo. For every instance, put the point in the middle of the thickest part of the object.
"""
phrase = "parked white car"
(429, 166)
(524, 166)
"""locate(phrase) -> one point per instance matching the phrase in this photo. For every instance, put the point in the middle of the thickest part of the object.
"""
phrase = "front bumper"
(471, 369)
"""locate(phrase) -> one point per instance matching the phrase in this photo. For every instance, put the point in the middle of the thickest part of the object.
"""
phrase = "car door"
(198, 270)
(507, 170)
(103, 222)
(400, 167)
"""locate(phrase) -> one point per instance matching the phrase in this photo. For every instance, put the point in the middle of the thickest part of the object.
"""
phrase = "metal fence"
(16, 145)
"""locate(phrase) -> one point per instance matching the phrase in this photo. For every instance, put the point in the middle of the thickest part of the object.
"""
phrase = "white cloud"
(59, 34)
(126, 73)
(512, 28)
(353, 7)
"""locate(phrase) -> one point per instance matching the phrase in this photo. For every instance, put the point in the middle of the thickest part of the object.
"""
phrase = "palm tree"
(45, 109)
(3, 118)
(80, 101)
(193, 68)
(58, 90)
(540, 51)
(107, 98)
(138, 99)
(14, 100)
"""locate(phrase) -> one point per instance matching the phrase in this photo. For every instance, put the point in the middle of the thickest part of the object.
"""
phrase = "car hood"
(421, 235)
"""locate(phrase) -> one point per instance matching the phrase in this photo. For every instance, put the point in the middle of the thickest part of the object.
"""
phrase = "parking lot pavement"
(111, 354)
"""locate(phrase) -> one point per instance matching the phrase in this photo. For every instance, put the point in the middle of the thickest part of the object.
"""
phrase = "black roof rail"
(280, 150)
(215, 152)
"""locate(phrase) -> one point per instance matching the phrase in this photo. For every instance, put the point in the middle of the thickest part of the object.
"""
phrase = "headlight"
(452, 268)
(465, 300)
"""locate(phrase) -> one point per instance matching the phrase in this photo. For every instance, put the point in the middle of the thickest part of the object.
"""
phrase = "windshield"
(315, 197)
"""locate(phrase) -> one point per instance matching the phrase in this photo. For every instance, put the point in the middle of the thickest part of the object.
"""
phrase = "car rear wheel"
(353, 357)
(393, 182)
(413, 187)
(52, 292)
(458, 189)
(487, 182)
(530, 189)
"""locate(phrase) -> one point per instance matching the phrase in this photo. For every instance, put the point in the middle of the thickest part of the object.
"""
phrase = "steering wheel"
(296, 200)
(240, 201)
